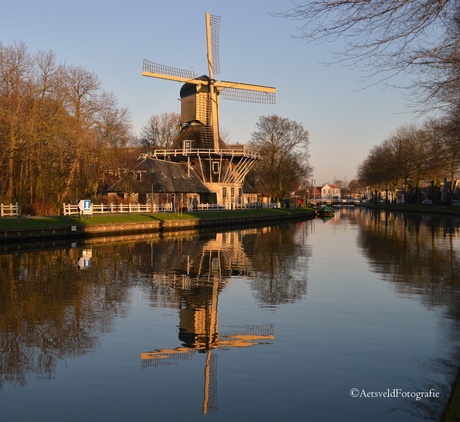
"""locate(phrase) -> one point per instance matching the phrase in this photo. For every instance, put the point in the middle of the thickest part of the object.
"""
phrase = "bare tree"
(114, 137)
(17, 87)
(159, 132)
(283, 145)
(438, 69)
(420, 37)
(59, 130)
(85, 101)
(385, 34)
(448, 130)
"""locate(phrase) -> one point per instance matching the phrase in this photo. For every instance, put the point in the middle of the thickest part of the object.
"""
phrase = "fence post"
(1, 210)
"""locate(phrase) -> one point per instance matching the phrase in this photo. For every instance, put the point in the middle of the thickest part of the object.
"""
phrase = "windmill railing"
(201, 152)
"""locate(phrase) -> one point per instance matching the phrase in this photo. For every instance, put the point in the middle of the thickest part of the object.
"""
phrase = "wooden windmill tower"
(199, 141)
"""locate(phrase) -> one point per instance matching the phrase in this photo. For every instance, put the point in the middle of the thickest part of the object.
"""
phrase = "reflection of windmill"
(215, 258)
(199, 138)
(224, 256)
(199, 333)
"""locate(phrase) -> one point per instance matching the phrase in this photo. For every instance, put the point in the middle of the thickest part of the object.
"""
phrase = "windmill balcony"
(231, 151)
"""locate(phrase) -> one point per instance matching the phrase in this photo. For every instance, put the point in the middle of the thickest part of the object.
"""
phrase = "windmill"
(200, 95)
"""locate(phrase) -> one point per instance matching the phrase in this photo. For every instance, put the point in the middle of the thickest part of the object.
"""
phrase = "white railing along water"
(70, 209)
(9, 210)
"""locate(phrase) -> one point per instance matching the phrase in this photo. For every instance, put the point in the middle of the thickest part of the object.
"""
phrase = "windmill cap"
(190, 89)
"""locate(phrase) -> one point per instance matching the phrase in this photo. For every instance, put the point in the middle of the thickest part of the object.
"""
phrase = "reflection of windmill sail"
(247, 335)
(243, 336)
(210, 383)
(166, 356)
(199, 332)
(221, 256)
(201, 100)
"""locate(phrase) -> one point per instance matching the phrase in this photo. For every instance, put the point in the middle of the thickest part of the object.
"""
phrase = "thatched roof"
(253, 183)
(161, 177)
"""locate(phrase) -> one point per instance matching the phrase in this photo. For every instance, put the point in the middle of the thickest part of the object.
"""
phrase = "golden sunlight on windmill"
(222, 168)
(200, 95)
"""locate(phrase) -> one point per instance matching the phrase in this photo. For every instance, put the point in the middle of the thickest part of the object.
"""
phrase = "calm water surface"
(263, 324)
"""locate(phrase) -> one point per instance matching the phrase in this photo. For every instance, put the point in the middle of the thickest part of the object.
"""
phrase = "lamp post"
(313, 181)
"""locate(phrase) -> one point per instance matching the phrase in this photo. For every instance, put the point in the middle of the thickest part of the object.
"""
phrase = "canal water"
(355, 318)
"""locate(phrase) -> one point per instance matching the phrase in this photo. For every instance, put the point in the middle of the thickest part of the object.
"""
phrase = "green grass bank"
(432, 209)
(21, 228)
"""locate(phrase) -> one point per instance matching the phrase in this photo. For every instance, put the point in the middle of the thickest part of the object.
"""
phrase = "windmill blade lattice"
(215, 30)
(152, 67)
(237, 94)
(201, 104)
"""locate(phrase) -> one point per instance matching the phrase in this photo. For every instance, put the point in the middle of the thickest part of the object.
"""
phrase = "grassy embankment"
(432, 209)
(18, 222)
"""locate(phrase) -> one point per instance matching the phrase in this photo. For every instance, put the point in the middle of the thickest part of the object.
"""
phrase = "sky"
(345, 117)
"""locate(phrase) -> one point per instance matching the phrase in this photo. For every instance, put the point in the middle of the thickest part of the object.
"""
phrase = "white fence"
(70, 209)
(9, 210)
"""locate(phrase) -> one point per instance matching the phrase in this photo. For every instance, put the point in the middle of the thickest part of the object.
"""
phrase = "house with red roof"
(330, 192)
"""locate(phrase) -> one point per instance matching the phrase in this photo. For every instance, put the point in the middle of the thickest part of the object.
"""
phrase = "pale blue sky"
(112, 37)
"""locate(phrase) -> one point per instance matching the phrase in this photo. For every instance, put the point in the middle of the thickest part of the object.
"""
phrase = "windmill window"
(224, 192)
(215, 167)
(187, 145)
(232, 192)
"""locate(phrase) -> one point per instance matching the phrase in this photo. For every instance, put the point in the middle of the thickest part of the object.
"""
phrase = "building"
(193, 168)
(161, 182)
(330, 192)
(201, 155)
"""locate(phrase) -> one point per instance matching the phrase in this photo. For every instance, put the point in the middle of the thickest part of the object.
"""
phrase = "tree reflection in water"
(199, 276)
(417, 254)
(51, 311)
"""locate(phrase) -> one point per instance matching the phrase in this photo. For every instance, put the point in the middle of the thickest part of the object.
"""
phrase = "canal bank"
(427, 209)
(53, 228)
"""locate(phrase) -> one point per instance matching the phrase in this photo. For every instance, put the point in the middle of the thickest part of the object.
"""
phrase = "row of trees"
(412, 154)
(59, 130)
(63, 137)
(417, 38)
